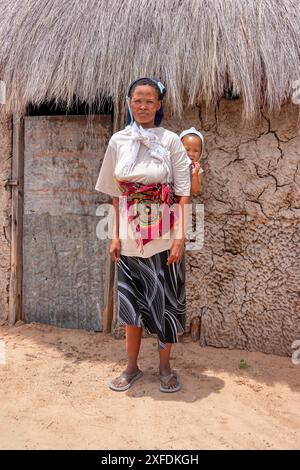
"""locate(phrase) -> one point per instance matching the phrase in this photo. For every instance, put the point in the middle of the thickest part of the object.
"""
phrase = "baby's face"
(193, 146)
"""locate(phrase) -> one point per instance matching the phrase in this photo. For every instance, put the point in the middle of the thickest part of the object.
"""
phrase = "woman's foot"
(125, 380)
(169, 381)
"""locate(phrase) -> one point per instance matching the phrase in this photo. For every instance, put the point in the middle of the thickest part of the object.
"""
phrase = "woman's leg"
(133, 343)
(164, 364)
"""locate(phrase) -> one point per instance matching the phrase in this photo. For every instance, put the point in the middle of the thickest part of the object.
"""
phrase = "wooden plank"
(15, 288)
(64, 261)
(108, 292)
(119, 115)
(195, 328)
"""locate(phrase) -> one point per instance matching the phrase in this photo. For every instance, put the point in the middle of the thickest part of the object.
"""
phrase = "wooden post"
(108, 292)
(195, 328)
(17, 187)
(119, 115)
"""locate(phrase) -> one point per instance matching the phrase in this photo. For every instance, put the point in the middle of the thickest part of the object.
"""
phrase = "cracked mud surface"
(5, 212)
(244, 283)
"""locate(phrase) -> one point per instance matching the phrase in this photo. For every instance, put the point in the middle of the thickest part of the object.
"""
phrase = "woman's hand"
(177, 250)
(115, 249)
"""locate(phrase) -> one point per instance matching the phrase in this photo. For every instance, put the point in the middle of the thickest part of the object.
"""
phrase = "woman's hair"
(145, 81)
(154, 83)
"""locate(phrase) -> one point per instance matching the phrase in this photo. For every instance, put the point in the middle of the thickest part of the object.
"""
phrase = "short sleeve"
(182, 168)
(106, 182)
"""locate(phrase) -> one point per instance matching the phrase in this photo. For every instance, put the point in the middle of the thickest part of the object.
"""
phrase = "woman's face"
(144, 104)
(193, 146)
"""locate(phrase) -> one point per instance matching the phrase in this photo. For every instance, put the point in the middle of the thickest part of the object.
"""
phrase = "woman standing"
(149, 166)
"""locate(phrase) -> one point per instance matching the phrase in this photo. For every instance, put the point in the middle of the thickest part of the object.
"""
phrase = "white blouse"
(147, 170)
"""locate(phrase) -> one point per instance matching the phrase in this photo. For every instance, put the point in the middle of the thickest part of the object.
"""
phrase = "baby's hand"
(196, 168)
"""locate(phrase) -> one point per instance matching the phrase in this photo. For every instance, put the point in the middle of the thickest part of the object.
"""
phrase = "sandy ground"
(54, 395)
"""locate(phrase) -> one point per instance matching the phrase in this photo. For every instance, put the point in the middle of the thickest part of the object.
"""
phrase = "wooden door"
(64, 263)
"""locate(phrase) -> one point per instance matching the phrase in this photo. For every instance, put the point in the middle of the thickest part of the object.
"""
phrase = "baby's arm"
(196, 180)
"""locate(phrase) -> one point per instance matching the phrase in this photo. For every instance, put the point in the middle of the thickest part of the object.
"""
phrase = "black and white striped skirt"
(152, 295)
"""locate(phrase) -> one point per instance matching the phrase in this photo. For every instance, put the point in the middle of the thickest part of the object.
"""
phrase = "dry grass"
(52, 49)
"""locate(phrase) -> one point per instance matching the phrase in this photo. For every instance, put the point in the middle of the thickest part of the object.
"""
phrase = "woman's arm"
(178, 245)
(106, 184)
(115, 246)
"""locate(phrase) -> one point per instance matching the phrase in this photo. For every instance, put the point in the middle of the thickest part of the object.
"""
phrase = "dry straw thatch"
(54, 49)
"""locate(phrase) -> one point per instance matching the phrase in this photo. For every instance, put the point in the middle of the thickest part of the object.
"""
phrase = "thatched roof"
(53, 49)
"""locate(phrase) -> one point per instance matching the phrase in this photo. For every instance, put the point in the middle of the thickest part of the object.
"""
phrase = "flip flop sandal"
(165, 379)
(129, 379)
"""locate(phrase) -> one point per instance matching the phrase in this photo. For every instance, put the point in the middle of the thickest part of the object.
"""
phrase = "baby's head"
(193, 142)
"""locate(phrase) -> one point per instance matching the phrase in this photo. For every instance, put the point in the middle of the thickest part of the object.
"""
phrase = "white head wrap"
(193, 130)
